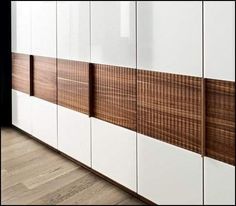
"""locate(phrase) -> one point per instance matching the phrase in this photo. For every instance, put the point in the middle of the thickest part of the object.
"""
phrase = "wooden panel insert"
(21, 72)
(115, 95)
(169, 108)
(73, 85)
(220, 120)
(45, 78)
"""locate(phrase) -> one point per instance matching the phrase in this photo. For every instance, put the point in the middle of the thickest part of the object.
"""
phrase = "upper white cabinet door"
(219, 35)
(74, 134)
(170, 37)
(73, 30)
(113, 33)
(219, 182)
(21, 26)
(21, 110)
(168, 174)
(114, 152)
(44, 121)
(44, 28)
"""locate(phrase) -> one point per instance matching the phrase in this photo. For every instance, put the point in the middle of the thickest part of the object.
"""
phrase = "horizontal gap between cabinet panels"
(134, 194)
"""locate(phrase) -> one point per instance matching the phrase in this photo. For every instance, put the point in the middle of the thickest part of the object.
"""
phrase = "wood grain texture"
(73, 85)
(33, 174)
(45, 75)
(114, 93)
(220, 120)
(21, 72)
(169, 108)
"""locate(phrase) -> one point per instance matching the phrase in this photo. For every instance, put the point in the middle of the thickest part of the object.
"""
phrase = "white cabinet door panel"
(168, 174)
(170, 37)
(73, 30)
(21, 110)
(44, 121)
(219, 43)
(21, 26)
(219, 182)
(74, 134)
(113, 33)
(44, 28)
(114, 152)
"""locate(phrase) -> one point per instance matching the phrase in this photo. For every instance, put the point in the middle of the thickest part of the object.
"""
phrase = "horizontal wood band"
(115, 95)
(169, 108)
(45, 76)
(73, 85)
(21, 72)
(220, 120)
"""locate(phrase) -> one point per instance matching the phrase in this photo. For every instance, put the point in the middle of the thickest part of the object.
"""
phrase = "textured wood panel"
(45, 78)
(73, 85)
(21, 72)
(220, 120)
(115, 95)
(169, 108)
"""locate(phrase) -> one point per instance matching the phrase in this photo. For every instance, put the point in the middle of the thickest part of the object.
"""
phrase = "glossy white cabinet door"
(73, 30)
(21, 26)
(113, 33)
(74, 134)
(219, 182)
(170, 36)
(219, 35)
(44, 28)
(114, 152)
(168, 174)
(44, 121)
(21, 110)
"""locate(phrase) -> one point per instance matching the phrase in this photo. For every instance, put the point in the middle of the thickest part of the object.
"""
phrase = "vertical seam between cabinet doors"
(90, 119)
(56, 76)
(136, 79)
(203, 106)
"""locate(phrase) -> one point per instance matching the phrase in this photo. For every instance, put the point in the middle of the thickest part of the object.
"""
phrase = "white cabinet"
(21, 26)
(74, 134)
(168, 174)
(44, 121)
(73, 30)
(219, 182)
(170, 36)
(114, 152)
(113, 33)
(219, 39)
(44, 28)
(21, 110)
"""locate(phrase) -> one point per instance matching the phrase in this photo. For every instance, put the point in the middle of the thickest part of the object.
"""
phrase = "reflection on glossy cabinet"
(44, 121)
(219, 40)
(21, 26)
(219, 182)
(168, 174)
(170, 36)
(113, 33)
(73, 30)
(74, 134)
(114, 152)
(21, 110)
(44, 28)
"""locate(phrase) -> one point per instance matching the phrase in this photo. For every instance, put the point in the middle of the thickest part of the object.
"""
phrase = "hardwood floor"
(33, 174)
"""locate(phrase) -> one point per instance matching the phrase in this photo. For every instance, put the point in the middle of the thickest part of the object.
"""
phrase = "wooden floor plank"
(34, 174)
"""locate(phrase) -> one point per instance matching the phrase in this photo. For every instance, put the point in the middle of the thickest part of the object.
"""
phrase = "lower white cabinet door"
(44, 121)
(219, 182)
(114, 152)
(21, 110)
(74, 134)
(168, 174)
